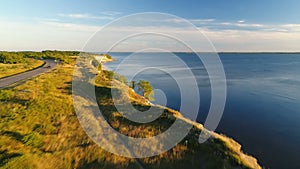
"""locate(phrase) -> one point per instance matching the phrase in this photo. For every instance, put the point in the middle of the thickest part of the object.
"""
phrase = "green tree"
(146, 89)
(107, 56)
(133, 83)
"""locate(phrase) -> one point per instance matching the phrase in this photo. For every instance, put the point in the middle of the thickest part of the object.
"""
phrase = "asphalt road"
(19, 77)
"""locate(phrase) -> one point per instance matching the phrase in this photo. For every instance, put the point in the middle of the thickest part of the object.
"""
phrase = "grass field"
(39, 129)
(11, 69)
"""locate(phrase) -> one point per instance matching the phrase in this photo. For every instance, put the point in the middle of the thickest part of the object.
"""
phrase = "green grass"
(39, 129)
(11, 69)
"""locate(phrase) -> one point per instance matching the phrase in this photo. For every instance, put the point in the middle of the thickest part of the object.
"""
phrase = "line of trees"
(12, 58)
(20, 57)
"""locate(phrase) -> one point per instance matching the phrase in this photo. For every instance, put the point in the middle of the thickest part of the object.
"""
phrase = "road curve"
(4, 82)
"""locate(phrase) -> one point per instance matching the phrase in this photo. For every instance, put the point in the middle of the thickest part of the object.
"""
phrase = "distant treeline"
(20, 57)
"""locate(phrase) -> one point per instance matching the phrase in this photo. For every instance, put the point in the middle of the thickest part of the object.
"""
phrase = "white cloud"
(290, 27)
(229, 36)
(111, 13)
(43, 35)
(72, 26)
(86, 16)
(242, 24)
(246, 40)
(202, 20)
(217, 25)
(194, 21)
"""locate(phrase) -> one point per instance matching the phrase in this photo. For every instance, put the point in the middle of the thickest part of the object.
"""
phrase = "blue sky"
(231, 25)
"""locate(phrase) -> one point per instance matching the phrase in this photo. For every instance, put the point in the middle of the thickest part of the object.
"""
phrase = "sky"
(231, 25)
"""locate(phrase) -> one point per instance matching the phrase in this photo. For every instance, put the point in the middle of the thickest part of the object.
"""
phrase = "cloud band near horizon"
(57, 33)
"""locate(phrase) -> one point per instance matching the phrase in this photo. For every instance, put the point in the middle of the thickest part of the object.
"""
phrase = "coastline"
(233, 146)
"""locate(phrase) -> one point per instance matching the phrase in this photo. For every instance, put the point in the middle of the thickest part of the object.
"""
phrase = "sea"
(262, 107)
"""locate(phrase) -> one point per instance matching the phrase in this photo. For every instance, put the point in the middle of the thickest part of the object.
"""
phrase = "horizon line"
(154, 51)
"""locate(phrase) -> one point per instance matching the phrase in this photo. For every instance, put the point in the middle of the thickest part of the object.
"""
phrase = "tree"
(107, 56)
(133, 83)
(146, 89)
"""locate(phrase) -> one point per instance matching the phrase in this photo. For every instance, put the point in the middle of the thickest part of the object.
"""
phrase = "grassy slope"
(11, 69)
(39, 129)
